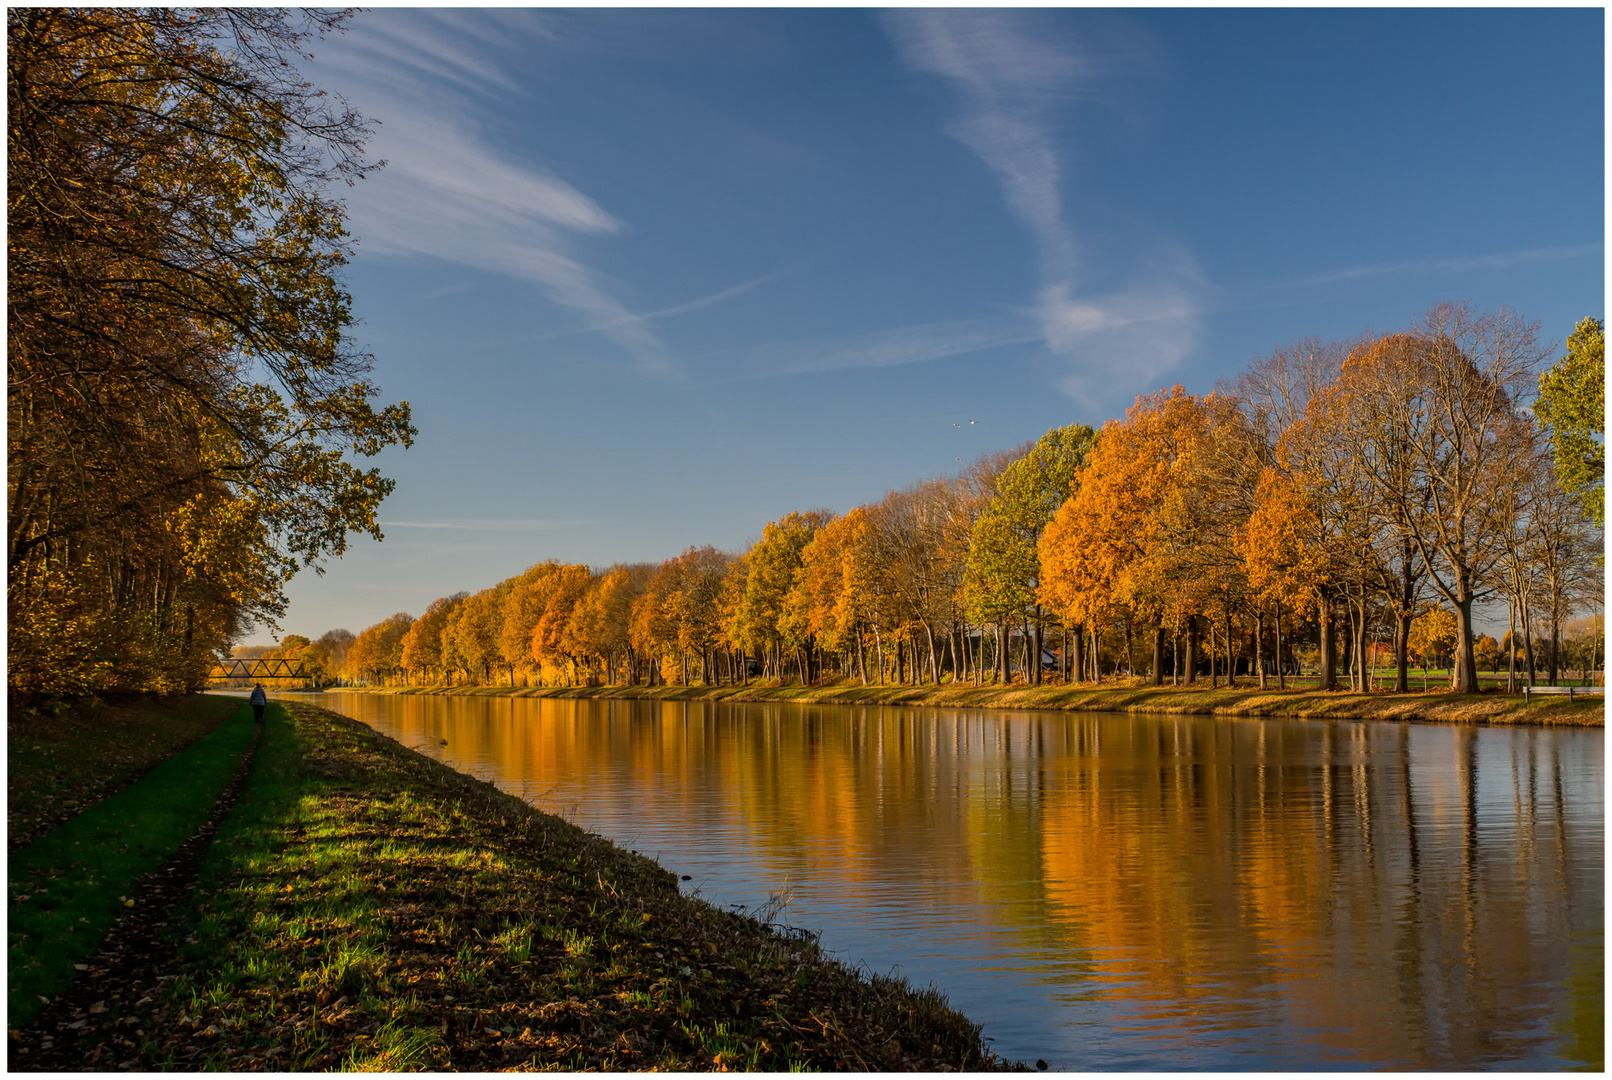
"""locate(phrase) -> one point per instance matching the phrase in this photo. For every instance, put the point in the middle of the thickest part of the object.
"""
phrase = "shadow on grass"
(68, 887)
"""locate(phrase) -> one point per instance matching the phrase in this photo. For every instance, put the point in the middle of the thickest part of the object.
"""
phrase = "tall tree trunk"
(1528, 647)
(1402, 627)
(1036, 666)
(1362, 646)
(1281, 668)
(1466, 667)
(1348, 642)
(1351, 650)
(1024, 651)
(1259, 646)
(1192, 649)
(1328, 643)
(1158, 655)
(1080, 652)
(1231, 659)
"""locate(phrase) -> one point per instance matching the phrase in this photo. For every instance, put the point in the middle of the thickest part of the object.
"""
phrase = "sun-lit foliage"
(184, 400)
(1302, 518)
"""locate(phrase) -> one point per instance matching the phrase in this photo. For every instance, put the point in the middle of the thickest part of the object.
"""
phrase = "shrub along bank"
(1246, 699)
(364, 907)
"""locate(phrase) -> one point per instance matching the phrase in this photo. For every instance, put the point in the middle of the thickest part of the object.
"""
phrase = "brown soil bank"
(1435, 707)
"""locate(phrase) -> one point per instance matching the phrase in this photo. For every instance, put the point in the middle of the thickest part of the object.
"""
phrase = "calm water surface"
(1115, 891)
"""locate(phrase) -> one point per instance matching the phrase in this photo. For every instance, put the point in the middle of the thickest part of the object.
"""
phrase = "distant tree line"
(1344, 503)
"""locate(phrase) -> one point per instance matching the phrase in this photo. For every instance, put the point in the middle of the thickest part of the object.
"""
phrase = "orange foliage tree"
(1113, 552)
(552, 642)
(422, 654)
(771, 566)
(376, 655)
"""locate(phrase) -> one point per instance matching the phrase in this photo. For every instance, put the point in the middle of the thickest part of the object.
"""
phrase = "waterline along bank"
(1242, 700)
(364, 907)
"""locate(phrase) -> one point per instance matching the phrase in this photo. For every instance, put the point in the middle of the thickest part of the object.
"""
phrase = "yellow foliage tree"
(1115, 549)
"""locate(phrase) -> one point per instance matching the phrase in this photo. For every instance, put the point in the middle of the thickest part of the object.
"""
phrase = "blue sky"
(653, 278)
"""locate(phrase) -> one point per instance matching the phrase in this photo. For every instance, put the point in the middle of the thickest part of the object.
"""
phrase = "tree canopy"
(184, 397)
(1572, 406)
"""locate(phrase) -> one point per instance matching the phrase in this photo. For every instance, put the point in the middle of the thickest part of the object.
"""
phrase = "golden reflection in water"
(1390, 895)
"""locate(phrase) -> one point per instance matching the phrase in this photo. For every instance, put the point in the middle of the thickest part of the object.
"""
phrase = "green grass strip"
(68, 887)
(363, 908)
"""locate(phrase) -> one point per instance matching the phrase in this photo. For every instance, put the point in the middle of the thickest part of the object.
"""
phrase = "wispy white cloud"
(887, 348)
(429, 45)
(446, 192)
(1010, 74)
(1498, 260)
(485, 524)
(685, 308)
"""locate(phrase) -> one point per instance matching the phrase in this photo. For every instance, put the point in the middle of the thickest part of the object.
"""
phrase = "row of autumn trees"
(1334, 493)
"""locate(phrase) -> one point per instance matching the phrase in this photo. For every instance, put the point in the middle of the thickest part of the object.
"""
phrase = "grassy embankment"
(1246, 699)
(364, 907)
(67, 888)
(64, 757)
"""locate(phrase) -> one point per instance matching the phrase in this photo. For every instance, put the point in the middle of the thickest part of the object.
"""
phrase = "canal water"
(1116, 892)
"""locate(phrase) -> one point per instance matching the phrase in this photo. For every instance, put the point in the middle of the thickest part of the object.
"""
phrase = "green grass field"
(68, 887)
(62, 759)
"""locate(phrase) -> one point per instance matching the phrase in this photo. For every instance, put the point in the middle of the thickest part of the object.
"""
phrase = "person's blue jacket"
(258, 696)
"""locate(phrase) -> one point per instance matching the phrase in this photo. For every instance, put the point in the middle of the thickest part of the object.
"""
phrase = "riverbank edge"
(1427, 707)
(366, 906)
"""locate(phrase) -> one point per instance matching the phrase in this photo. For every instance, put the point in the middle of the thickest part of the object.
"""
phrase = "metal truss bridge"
(241, 668)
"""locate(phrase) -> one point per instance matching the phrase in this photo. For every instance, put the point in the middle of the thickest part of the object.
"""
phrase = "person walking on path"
(260, 701)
